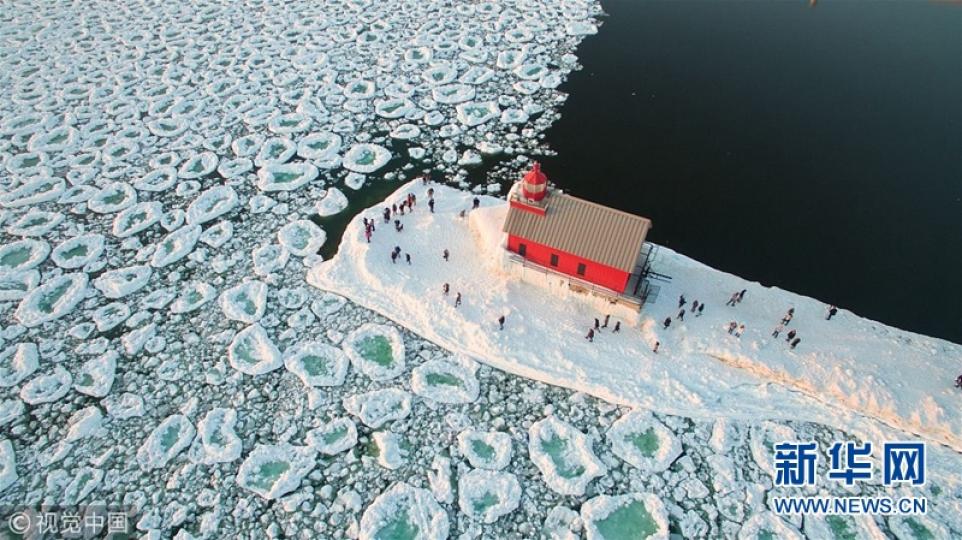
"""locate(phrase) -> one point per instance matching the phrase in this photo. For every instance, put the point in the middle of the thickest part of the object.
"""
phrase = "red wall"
(600, 274)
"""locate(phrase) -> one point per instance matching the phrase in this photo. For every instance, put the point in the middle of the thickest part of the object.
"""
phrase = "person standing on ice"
(431, 205)
(501, 322)
(597, 324)
(591, 335)
(431, 193)
(788, 316)
(655, 348)
(791, 336)
(446, 254)
(832, 310)
(367, 234)
(387, 215)
(681, 314)
(701, 308)
(476, 203)
(407, 257)
(617, 327)
(778, 330)
(731, 301)
(457, 300)
(682, 301)
(394, 257)
(732, 326)
(667, 322)
(740, 331)
(694, 306)
(741, 295)
(447, 289)
(607, 317)
(958, 382)
(795, 342)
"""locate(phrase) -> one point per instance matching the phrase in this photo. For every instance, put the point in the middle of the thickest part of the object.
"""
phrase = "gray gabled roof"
(583, 228)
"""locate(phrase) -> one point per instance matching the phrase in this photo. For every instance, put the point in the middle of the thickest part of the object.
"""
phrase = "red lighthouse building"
(571, 236)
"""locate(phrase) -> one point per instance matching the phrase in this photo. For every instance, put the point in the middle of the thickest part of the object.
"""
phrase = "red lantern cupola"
(534, 185)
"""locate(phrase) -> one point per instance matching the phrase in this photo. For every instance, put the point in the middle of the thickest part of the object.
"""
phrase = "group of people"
(790, 337)
(599, 326)
(696, 307)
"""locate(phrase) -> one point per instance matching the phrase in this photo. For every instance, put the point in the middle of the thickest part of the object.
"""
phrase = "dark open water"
(814, 149)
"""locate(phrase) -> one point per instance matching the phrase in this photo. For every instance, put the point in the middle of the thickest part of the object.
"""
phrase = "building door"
(522, 249)
(554, 260)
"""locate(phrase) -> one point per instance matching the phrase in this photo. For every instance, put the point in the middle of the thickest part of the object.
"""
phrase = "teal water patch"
(646, 443)
(268, 474)
(16, 257)
(630, 522)
(47, 301)
(443, 379)
(377, 349)
(486, 501)
(555, 448)
(316, 365)
(482, 449)
(334, 435)
(399, 528)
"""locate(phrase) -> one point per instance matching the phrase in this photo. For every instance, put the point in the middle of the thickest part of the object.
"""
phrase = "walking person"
(457, 300)
(832, 310)
(501, 322)
(778, 330)
(407, 257)
(447, 289)
(791, 336)
(367, 234)
(731, 327)
(740, 331)
(431, 193)
(476, 203)
(591, 335)
(694, 306)
(617, 327)
(667, 322)
(394, 257)
(741, 295)
(731, 301)
(958, 382)
(701, 308)
(681, 315)
(431, 205)
(788, 316)
(446, 255)
(795, 342)
(606, 321)
(682, 301)
(655, 348)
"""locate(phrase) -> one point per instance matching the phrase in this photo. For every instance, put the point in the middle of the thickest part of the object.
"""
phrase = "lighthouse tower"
(534, 185)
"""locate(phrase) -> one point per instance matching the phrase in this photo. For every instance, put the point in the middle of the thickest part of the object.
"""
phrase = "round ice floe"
(17, 362)
(269, 258)
(77, 194)
(16, 285)
(285, 177)
(35, 223)
(530, 71)
(175, 246)
(119, 151)
(288, 123)
(126, 405)
(137, 218)
(78, 251)
(510, 59)
(514, 116)
(46, 388)
(334, 437)
(233, 168)
(112, 198)
(193, 296)
(403, 509)
(317, 364)
(380, 406)
(52, 300)
(376, 350)
(475, 113)
(334, 202)
(57, 139)
(301, 237)
(354, 181)
(123, 281)
(217, 442)
(328, 304)
(405, 132)
(252, 352)
(445, 382)
(84, 481)
(418, 55)
(319, 146)
(22, 255)
(485, 450)
(366, 158)
(359, 89)
(393, 107)
(10, 410)
(564, 456)
(28, 164)
(108, 317)
(26, 123)
(916, 527)
(844, 527)
(476, 75)
(84, 423)
(245, 302)
(33, 192)
(275, 151)
(768, 525)
(159, 179)
(198, 166)
(453, 93)
(167, 440)
(272, 471)
(247, 146)
(211, 204)
(607, 517)
(581, 28)
(487, 495)
(439, 74)
(217, 235)
(644, 442)
(763, 438)
(168, 127)
(97, 375)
